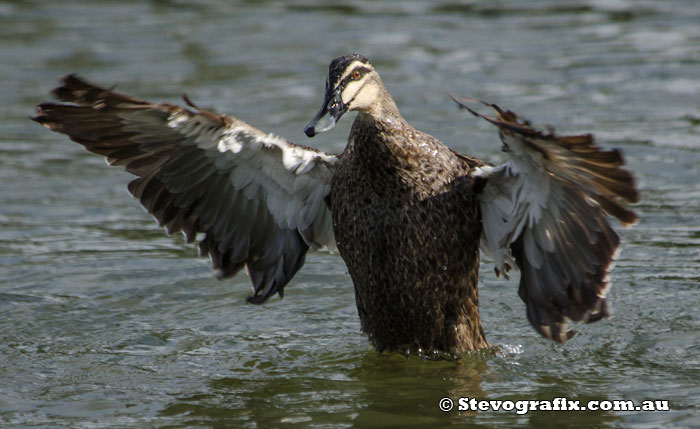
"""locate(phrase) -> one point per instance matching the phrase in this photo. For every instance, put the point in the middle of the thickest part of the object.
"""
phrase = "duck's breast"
(410, 239)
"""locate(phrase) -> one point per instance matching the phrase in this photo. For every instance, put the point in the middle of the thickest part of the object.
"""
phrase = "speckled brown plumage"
(408, 227)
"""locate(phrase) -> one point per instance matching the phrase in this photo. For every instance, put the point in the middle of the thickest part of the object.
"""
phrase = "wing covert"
(259, 200)
(547, 211)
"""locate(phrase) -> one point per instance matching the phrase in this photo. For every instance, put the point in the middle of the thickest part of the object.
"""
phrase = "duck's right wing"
(545, 211)
(260, 201)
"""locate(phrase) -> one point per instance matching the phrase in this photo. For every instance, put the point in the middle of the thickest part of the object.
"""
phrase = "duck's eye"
(356, 74)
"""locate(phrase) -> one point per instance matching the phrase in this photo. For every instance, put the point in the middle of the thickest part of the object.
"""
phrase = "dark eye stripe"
(349, 77)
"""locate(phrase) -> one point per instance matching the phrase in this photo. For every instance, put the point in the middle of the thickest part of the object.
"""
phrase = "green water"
(106, 321)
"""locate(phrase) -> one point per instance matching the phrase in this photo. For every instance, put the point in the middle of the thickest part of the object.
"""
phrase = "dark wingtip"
(70, 85)
(461, 105)
(260, 299)
(189, 102)
(61, 93)
(603, 312)
(43, 116)
(40, 116)
(208, 113)
(559, 333)
(506, 118)
(256, 299)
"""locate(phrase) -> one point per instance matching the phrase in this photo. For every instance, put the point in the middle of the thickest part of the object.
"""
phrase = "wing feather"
(546, 212)
(258, 199)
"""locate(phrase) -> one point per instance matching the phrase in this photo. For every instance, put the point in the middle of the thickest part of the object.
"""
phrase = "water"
(106, 321)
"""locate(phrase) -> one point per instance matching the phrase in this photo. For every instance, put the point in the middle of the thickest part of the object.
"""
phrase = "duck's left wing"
(547, 211)
(260, 201)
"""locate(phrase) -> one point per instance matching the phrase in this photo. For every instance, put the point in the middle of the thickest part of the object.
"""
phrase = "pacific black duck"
(407, 214)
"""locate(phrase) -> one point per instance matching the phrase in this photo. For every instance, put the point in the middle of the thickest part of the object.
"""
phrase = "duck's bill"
(332, 109)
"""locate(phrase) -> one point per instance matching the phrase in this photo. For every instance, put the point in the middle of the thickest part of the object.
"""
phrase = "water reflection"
(386, 402)
(360, 391)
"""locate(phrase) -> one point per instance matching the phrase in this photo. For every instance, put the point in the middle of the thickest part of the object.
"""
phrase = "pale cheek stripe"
(351, 67)
(349, 93)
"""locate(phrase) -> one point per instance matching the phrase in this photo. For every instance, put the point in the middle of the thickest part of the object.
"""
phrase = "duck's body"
(407, 214)
(407, 225)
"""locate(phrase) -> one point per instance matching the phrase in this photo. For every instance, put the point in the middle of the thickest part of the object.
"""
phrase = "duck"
(408, 215)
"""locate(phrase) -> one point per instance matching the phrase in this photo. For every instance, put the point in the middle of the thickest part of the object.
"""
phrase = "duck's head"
(352, 84)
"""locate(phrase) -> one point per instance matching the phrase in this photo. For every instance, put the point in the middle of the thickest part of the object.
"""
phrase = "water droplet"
(444, 268)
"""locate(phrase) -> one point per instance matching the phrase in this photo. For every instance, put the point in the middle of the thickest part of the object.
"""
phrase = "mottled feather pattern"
(257, 198)
(545, 211)
(408, 227)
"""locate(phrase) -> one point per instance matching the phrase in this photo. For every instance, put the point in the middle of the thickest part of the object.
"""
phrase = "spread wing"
(259, 200)
(547, 209)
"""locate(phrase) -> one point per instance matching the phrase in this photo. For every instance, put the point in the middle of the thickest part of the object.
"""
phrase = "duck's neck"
(375, 144)
(384, 106)
(380, 134)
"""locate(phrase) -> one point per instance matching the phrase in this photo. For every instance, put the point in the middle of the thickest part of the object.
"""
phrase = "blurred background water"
(106, 321)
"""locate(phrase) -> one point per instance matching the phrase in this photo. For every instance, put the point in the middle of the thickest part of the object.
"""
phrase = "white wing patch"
(295, 200)
(544, 211)
(259, 200)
